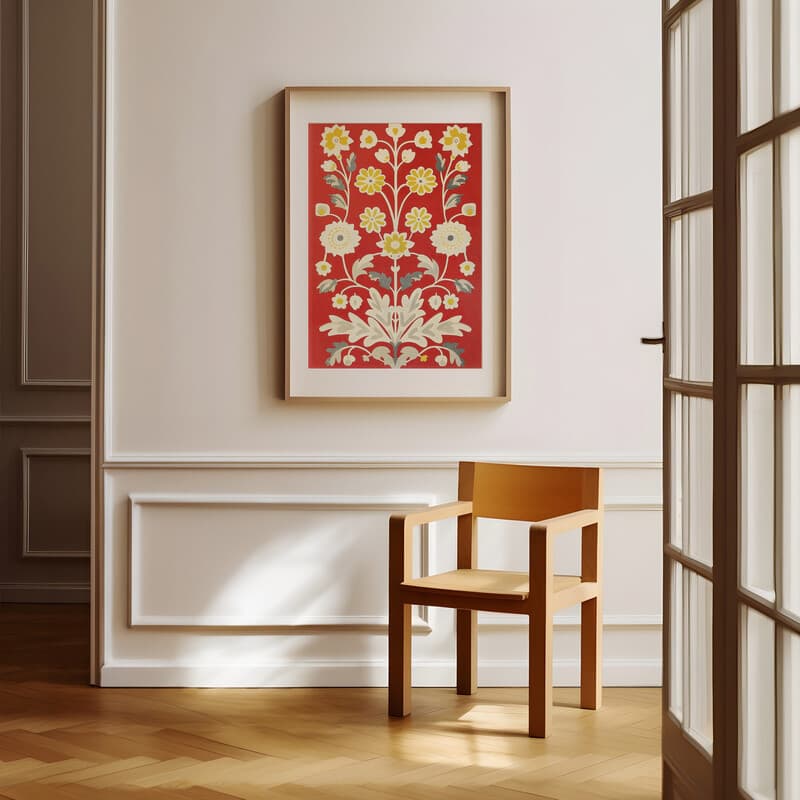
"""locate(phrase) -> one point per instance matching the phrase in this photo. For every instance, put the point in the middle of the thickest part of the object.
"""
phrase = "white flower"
(395, 130)
(322, 267)
(441, 360)
(382, 155)
(450, 238)
(469, 209)
(462, 166)
(368, 139)
(365, 357)
(407, 156)
(322, 209)
(424, 139)
(340, 238)
(348, 360)
(435, 301)
(328, 166)
(467, 267)
(450, 301)
(355, 301)
(339, 301)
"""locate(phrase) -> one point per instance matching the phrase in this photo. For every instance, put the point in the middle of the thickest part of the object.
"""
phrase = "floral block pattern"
(394, 245)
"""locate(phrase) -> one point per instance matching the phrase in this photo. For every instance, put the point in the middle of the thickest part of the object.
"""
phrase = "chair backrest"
(527, 493)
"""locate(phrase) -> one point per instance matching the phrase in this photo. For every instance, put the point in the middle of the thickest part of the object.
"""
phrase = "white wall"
(195, 339)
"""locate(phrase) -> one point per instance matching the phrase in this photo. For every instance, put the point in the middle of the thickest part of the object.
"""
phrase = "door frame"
(99, 132)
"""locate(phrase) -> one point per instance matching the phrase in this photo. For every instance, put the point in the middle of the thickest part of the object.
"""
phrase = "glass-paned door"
(688, 397)
(767, 595)
(731, 71)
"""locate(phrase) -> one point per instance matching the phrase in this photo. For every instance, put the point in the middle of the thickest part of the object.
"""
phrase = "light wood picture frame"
(397, 243)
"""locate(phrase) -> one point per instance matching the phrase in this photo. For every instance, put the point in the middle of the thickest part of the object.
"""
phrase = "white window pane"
(700, 479)
(790, 241)
(701, 295)
(757, 763)
(676, 112)
(676, 291)
(758, 490)
(755, 187)
(678, 433)
(700, 719)
(755, 63)
(789, 723)
(789, 57)
(676, 641)
(790, 563)
(690, 87)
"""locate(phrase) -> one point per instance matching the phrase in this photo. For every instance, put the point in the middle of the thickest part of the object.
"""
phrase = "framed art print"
(397, 243)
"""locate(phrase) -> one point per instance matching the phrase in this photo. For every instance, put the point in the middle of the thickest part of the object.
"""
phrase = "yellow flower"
(421, 180)
(369, 180)
(469, 209)
(339, 301)
(418, 220)
(467, 267)
(462, 166)
(424, 139)
(322, 267)
(456, 140)
(395, 245)
(423, 359)
(322, 209)
(368, 139)
(372, 219)
(335, 138)
(395, 130)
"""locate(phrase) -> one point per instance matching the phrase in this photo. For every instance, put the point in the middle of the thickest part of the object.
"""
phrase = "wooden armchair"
(555, 500)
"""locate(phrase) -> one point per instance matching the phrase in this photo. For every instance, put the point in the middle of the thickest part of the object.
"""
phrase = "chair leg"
(591, 654)
(466, 652)
(399, 659)
(540, 674)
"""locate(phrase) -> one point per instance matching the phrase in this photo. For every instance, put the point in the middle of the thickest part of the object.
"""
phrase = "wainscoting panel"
(275, 575)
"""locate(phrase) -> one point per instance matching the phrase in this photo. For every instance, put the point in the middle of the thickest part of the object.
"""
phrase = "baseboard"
(616, 672)
(44, 593)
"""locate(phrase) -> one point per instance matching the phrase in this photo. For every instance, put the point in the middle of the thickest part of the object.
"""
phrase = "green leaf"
(382, 278)
(440, 163)
(340, 202)
(456, 181)
(335, 352)
(328, 285)
(429, 266)
(361, 265)
(335, 181)
(463, 285)
(453, 201)
(455, 352)
(411, 277)
(351, 163)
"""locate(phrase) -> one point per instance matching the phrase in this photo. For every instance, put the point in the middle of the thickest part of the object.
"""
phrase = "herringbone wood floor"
(62, 740)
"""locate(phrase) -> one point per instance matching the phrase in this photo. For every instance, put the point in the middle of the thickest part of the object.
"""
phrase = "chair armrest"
(458, 508)
(567, 522)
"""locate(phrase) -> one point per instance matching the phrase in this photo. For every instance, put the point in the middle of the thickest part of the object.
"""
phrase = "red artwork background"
(373, 287)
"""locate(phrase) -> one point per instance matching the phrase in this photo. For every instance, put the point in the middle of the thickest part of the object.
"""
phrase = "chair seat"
(500, 585)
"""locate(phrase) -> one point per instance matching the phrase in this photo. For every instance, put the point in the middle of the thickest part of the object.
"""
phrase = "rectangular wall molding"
(44, 593)
(343, 673)
(29, 453)
(137, 502)
(26, 380)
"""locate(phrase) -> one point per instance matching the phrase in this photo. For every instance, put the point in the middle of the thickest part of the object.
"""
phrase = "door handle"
(654, 339)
